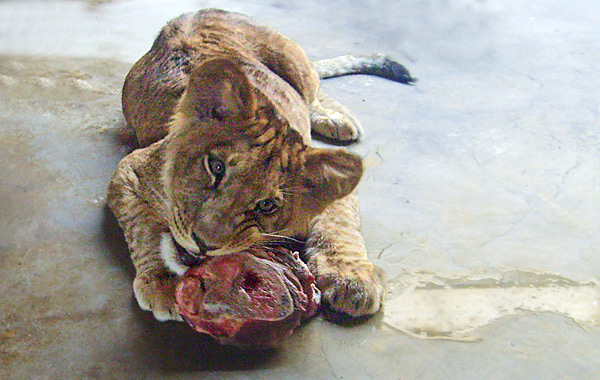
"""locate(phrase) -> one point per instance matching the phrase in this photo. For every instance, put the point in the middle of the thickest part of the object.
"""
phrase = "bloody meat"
(253, 299)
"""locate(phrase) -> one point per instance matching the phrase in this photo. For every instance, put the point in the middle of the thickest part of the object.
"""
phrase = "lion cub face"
(237, 175)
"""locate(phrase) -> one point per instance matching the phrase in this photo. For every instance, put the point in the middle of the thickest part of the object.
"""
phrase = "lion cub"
(224, 109)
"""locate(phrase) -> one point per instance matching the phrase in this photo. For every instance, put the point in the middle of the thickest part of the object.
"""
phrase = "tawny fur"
(219, 91)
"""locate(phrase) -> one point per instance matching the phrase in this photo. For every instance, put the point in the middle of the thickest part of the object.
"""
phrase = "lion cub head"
(237, 174)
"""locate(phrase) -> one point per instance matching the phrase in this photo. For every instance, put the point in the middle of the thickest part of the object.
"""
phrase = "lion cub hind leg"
(333, 121)
(349, 282)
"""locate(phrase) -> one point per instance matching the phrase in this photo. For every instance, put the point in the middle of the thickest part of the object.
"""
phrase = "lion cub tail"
(377, 65)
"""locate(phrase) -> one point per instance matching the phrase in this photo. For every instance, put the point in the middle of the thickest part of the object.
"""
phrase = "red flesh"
(252, 299)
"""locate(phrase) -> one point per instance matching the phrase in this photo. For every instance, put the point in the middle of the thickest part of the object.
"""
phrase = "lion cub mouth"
(188, 258)
(192, 258)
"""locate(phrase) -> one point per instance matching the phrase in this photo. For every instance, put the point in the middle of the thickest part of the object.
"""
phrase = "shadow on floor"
(174, 346)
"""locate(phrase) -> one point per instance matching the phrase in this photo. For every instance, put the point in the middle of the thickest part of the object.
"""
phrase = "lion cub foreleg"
(337, 257)
(154, 285)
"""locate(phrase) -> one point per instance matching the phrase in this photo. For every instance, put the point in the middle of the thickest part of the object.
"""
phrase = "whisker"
(291, 190)
(282, 237)
(288, 193)
(280, 231)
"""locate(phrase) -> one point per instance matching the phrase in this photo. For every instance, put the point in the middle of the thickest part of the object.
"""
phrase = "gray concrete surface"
(481, 197)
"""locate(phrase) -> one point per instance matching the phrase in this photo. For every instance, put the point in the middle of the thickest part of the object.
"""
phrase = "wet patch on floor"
(430, 305)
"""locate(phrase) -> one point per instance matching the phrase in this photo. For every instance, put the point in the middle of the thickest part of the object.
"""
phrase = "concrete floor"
(481, 199)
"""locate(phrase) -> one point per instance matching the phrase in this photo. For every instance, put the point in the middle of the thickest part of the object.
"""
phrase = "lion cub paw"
(353, 287)
(157, 294)
(338, 126)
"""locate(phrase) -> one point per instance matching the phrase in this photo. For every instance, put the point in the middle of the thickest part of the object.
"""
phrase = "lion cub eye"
(216, 168)
(266, 206)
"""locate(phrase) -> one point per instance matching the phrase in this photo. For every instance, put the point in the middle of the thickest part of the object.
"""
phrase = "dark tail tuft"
(393, 70)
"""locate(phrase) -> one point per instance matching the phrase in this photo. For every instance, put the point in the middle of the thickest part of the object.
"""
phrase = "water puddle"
(427, 305)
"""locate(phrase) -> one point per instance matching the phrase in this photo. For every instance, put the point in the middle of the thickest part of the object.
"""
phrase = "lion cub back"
(156, 82)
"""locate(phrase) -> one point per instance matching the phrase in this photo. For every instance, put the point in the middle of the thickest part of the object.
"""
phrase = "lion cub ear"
(329, 174)
(218, 89)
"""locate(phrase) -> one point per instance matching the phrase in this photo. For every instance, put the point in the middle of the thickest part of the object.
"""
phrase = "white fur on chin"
(168, 253)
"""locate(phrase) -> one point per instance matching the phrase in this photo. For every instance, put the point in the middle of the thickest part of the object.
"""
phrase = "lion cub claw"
(157, 294)
(351, 286)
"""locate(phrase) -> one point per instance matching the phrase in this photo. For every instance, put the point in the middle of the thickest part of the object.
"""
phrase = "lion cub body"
(223, 109)
(273, 64)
